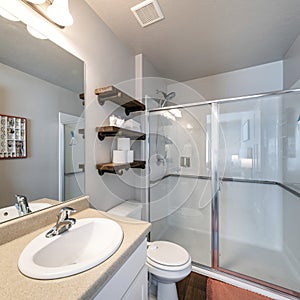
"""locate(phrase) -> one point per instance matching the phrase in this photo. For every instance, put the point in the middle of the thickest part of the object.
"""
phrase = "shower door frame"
(216, 183)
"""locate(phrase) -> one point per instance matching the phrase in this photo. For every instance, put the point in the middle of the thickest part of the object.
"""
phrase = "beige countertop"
(14, 285)
(45, 200)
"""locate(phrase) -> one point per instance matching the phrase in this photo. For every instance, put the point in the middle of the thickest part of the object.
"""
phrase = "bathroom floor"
(199, 287)
(264, 264)
(192, 287)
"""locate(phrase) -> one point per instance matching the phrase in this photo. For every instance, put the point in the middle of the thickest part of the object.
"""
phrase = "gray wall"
(252, 80)
(40, 102)
(108, 61)
(152, 80)
(291, 66)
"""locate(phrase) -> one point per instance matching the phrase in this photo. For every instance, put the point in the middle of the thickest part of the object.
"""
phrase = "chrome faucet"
(63, 223)
(22, 205)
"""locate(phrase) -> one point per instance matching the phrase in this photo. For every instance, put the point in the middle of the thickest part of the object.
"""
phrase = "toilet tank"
(129, 208)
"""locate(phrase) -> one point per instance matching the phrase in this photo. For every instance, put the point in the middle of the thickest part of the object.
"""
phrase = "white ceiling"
(198, 38)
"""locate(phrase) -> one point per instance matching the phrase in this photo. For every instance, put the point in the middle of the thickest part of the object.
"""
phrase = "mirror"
(41, 82)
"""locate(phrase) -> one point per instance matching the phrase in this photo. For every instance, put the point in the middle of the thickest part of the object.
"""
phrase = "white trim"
(139, 76)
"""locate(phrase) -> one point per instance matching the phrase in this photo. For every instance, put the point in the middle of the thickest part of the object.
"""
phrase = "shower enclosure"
(225, 184)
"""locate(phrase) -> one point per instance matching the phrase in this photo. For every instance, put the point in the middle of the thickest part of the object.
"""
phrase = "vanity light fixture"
(55, 11)
(59, 13)
(37, 1)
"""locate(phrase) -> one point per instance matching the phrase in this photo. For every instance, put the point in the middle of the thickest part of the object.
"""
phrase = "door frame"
(63, 119)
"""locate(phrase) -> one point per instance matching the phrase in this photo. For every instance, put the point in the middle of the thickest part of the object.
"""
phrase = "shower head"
(165, 95)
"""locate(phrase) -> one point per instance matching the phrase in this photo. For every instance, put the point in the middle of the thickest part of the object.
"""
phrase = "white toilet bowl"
(168, 263)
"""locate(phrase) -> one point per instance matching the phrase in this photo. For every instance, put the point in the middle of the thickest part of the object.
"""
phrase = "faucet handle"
(21, 198)
(68, 209)
(63, 222)
(22, 205)
(65, 212)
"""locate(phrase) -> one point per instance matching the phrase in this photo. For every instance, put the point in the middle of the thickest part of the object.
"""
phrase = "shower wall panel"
(250, 142)
(251, 213)
(291, 140)
(291, 225)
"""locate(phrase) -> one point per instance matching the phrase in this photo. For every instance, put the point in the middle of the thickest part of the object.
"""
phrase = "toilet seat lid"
(167, 253)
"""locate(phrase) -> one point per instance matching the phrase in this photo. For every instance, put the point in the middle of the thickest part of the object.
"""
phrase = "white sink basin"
(10, 212)
(86, 244)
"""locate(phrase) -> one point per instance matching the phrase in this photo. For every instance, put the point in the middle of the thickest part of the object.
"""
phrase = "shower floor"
(257, 262)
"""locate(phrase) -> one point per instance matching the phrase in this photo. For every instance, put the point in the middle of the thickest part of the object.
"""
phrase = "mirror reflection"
(41, 82)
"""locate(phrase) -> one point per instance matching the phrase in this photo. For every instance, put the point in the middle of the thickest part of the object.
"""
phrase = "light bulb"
(59, 13)
(7, 15)
(36, 1)
(35, 33)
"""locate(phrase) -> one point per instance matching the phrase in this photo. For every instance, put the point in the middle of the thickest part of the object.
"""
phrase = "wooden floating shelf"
(111, 93)
(108, 131)
(118, 168)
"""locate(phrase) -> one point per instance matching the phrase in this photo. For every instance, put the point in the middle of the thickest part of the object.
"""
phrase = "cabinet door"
(138, 290)
(121, 282)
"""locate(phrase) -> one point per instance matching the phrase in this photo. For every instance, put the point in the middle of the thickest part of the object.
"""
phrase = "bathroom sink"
(10, 212)
(86, 244)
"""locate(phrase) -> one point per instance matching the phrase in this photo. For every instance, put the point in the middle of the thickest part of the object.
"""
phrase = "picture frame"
(13, 137)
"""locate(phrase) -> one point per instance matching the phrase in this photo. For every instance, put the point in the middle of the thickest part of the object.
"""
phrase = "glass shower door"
(254, 237)
(224, 184)
(180, 179)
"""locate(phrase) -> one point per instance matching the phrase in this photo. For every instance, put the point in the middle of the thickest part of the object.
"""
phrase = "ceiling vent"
(147, 12)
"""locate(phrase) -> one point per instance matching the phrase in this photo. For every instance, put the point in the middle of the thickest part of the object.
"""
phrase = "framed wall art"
(13, 137)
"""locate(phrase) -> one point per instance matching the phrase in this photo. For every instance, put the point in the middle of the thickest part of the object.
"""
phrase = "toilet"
(167, 262)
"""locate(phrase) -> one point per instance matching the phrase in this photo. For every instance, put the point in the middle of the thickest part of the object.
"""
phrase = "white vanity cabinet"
(131, 280)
